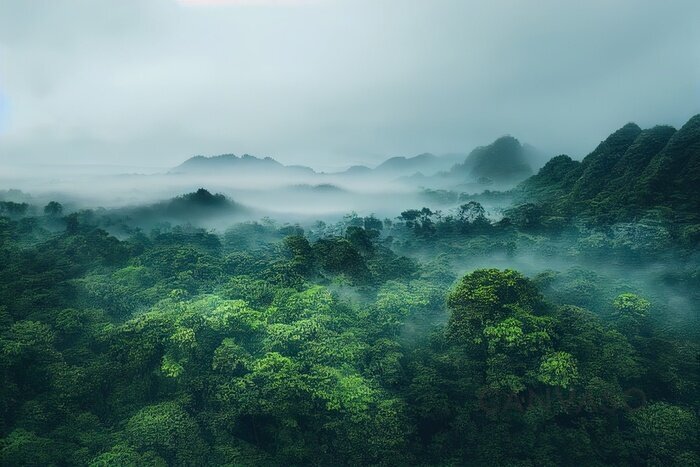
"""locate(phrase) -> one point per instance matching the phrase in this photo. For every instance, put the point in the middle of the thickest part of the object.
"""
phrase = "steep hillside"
(672, 177)
(630, 173)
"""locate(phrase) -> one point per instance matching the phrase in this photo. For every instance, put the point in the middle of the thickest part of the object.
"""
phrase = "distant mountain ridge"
(231, 162)
(505, 162)
(426, 163)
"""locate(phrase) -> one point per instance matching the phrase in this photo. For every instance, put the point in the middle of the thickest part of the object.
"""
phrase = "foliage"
(409, 341)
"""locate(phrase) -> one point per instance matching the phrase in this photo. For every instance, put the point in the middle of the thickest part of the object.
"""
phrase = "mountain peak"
(504, 160)
(624, 136)
(616, 143)
(506, 140)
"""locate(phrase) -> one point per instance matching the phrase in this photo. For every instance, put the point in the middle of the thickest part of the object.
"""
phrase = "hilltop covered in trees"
(629, 174)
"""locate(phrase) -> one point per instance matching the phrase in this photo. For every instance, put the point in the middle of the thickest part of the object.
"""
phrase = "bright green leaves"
(628, 304)
(124, 292)
(513, 347)
(396, 301)
(264, 356)
(352, 395)
(272, 387)
(230, 357)
(495, 312)
(292, 338)
(308, 303)
(508, 332)
(485, 297)
(523, 332)
(558, 369)
(342, 390)
(184, 339)
(629, 312)
(171, 367)
(234, 317)
(179, 346)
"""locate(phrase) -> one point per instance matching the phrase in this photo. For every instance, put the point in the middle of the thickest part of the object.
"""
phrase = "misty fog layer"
(333, 83)
(268, 187)
(349, 232)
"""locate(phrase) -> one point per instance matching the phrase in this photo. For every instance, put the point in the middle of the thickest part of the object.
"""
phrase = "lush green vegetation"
(561, 331)
(630, 174)
(267, 346)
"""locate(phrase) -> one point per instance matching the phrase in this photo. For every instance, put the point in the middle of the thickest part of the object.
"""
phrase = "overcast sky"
(335, 82)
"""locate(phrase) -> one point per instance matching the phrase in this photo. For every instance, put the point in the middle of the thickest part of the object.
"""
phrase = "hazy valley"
(449, 244)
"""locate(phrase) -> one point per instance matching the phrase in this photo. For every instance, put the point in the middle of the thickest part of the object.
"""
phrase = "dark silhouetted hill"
(505, 160)
(191, 207)
(230, 163)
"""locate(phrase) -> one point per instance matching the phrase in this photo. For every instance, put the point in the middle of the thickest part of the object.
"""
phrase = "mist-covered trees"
(13, 209)
(53, 208)
(270, 344)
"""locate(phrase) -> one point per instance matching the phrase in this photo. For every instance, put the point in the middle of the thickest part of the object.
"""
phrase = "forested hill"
(630, 173)
(504, 160)
(132, 337)
(199, 205)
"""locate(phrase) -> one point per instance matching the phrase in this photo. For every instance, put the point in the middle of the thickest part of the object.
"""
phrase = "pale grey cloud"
(334, 82)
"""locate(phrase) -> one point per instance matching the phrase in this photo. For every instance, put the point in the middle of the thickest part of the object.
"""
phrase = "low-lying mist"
(297, 198)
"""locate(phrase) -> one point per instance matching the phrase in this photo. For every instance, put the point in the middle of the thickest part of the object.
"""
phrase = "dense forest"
(553, 324)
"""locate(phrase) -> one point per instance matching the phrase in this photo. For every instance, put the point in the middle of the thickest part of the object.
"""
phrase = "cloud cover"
(332, 83)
